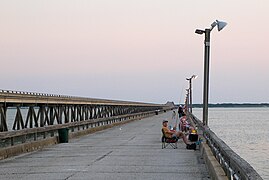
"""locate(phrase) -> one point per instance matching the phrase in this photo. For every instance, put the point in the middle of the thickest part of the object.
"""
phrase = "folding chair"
(168, 141)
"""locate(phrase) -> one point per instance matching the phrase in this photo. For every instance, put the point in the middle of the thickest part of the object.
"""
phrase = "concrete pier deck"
(130, 151)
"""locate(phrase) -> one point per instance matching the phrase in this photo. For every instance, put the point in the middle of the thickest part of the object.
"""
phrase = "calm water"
(245, 130)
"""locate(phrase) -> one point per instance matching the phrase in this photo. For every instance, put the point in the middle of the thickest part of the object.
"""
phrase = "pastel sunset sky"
(135, 50)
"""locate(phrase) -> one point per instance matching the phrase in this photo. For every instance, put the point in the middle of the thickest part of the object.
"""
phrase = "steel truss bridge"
(47, 109)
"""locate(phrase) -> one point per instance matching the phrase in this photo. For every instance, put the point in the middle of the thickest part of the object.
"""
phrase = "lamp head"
(218, 23)
(194, 76)
(221, 25)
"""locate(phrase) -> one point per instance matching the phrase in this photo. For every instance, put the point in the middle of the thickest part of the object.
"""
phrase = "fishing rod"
(180, 98)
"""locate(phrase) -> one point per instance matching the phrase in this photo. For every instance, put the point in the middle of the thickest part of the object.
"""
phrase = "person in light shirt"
(183, 124)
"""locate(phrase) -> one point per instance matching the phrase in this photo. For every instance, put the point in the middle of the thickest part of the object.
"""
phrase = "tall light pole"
(187, 100)
(190, 90)
(207, 31)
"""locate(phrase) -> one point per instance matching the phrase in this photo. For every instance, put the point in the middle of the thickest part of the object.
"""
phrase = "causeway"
(128, 151)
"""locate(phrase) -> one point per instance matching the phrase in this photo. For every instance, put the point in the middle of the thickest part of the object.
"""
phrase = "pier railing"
(234, 166)
(29, 139)
(33, 110)
(29, 121)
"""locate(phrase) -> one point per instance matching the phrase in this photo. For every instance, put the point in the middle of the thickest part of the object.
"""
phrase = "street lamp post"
(187, 100)
(207, 31)
(190, 90)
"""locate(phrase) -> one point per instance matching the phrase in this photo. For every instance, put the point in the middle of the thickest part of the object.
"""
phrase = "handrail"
(234, 166)
(66, 125)
(4, 135)
(10, 95)
(25, 140)
(48, 110)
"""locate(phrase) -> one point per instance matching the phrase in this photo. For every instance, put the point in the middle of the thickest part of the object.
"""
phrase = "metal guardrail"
(33, 110)
(12, 138)
(38, 118)
(25, 97)
(25, 140)
(234, 166)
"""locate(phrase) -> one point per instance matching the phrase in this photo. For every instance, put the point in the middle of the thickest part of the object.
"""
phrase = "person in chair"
(172, 133)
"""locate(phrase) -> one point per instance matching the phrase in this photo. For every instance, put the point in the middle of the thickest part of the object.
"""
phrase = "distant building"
(170, 104)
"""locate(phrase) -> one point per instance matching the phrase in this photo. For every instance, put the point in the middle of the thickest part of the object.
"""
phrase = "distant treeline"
(231, 105)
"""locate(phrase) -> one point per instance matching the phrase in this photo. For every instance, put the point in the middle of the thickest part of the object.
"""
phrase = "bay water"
(245, 131)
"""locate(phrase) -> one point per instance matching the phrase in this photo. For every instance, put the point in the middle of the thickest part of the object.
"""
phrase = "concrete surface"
(129, 151)
(215, 170)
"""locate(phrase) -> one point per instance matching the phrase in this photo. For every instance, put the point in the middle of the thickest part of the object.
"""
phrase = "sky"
(135, 50)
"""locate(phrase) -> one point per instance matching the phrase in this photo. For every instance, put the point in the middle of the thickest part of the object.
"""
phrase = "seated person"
(173, 134)
(192, 130)
(183, 123)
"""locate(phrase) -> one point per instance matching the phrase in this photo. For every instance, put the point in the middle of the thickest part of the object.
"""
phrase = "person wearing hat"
(173, 134)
